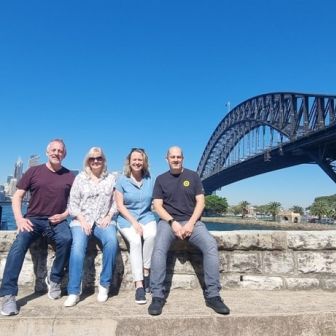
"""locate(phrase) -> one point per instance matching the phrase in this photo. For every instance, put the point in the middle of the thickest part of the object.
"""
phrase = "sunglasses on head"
(97, 158)
(137, 149)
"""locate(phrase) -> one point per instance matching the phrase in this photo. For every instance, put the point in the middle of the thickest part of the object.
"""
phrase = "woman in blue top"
(135, 221)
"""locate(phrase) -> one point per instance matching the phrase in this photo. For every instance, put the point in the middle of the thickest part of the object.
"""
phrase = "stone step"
(257, 313)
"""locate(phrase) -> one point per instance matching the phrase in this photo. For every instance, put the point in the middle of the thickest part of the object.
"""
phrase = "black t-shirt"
(178, 193)
(49, 190)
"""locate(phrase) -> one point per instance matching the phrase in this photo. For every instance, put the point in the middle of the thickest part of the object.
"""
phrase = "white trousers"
(140, 251)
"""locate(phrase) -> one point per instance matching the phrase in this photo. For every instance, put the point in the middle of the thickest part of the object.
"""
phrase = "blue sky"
(151, 74)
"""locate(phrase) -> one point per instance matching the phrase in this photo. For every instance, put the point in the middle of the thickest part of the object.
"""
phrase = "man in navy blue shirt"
(179, 201)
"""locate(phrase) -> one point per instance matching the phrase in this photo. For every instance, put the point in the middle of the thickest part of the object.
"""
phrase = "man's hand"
(177, 229)
(187, 230)
(55, 219)
(24, 224)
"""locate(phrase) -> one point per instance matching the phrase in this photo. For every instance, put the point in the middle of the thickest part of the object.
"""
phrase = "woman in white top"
(92, 206)
(136, 221)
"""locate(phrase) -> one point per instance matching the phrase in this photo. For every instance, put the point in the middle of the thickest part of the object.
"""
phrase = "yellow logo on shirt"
(186, 183)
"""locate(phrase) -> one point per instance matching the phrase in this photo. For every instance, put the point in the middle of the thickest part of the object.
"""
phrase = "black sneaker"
(155, 308)
(217, 304)
(146, 282)
(140, 296)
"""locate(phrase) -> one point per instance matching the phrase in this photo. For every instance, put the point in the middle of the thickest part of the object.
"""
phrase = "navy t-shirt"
(178, 193)
(49, 190)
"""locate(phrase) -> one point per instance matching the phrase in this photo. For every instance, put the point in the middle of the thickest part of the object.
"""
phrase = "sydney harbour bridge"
(270, 132)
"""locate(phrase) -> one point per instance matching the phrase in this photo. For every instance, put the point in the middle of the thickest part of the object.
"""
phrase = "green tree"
(273, 208)
(319, 208)
(215, 205)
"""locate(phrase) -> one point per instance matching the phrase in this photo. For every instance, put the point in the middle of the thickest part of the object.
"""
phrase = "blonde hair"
(86, 166)
(145, 168)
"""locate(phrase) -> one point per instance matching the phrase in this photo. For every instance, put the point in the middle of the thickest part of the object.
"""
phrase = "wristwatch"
(170, 222)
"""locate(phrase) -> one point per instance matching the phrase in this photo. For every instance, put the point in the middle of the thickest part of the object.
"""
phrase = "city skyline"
(156, 74)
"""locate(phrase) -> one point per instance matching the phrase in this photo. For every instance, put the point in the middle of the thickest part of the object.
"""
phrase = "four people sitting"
(100, 202)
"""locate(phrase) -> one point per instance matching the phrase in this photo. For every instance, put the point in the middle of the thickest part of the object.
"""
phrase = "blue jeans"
(200, 238)
(59, 233)
(108, 238)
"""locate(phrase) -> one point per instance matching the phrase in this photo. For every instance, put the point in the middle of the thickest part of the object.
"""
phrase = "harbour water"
(8, 222)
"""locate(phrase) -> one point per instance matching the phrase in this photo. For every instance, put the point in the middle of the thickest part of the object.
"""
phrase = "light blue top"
(137, 200)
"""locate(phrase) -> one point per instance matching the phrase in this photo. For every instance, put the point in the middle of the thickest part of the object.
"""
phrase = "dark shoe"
(140, 296)
(9, 306)
(146, 283)
(217, 304)
(155, 308)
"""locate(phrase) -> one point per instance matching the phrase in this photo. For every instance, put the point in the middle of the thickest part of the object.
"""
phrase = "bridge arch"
(268, 124)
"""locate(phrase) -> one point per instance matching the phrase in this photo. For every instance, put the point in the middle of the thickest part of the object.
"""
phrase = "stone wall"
(270, 260)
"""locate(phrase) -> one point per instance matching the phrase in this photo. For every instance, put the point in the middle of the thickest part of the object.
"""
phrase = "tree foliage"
(215, 205)
(274, 208)
(324, 206)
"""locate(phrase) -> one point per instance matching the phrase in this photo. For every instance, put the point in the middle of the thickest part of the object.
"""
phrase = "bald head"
(176, 150)
(175, 159)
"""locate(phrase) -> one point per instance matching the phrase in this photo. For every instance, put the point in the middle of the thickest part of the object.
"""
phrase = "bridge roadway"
(253, 312)
(307, 149)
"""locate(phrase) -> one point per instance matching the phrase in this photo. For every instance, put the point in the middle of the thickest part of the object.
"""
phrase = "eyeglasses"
(98, 158)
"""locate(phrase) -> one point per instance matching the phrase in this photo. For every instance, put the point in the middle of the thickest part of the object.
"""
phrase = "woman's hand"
(105, 222)
(138, 228)
(86, 227)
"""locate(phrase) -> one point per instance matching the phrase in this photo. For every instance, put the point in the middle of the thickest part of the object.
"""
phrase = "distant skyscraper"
(12, 187)
(34, 160)
(18, 169)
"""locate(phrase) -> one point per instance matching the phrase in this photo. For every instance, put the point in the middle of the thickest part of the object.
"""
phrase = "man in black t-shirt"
(179, 201)
(49, 186)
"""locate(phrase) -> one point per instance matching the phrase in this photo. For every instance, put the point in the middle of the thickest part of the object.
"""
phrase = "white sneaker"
(102, 293)
(71, 301)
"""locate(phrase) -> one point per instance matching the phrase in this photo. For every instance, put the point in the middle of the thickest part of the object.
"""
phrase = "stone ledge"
(305, 259)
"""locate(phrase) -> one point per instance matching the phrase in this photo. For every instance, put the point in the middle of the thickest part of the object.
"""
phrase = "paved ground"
(290, 313)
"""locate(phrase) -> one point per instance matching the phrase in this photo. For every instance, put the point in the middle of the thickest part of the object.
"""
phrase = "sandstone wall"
(270, 260)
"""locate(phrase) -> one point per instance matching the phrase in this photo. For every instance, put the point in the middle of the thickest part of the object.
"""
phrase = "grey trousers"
(202, 239)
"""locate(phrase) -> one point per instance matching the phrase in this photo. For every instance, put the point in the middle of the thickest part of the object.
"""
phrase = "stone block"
(230, 280)
(224, 260)
(245, 262)
(6, 240)
(316, 262)
(185, 281)
(262, 282)
(278, 262)
(312, 240)
(329, 284)
(302, 283)
(251, 240)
